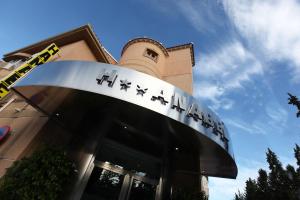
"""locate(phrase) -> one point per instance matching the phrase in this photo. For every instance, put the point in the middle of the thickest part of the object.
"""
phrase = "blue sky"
(247, 59)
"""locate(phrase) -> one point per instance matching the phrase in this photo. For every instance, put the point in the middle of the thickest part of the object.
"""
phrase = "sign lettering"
(11, 78)
(194, 112)
(178, 103)
(160, 98)
(3, 90)
(37, 59)
(106, 76)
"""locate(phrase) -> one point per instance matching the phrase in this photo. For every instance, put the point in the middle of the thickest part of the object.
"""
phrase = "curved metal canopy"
(48, 86)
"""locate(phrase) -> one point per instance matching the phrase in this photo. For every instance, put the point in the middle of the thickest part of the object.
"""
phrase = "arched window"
(149, 53)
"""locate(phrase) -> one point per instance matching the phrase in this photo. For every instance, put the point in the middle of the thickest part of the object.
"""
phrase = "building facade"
(132, 127)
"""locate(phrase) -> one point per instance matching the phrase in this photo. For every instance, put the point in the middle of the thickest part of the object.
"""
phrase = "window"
(11, 65)
(149, 53)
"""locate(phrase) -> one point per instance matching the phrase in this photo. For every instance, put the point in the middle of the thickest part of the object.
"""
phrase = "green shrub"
(41, 176)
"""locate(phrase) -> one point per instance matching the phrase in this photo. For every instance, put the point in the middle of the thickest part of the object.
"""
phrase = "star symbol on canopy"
(125, 84)
(141, 90)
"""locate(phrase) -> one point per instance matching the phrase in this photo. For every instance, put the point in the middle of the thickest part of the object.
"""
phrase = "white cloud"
(226, 68)
(272, 27)
(231, 64)
(208, 90)
(273, 118)
(223, 71)
(213, 92)
(200, 14)
(277, 113)
(255, 127)
(227, 103)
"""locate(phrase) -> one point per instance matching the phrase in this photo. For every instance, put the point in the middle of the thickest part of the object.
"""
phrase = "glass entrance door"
(103, 185)
(141, 190)
(112, 182)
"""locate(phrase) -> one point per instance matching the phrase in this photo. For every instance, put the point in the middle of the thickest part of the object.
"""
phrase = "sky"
(247, 56)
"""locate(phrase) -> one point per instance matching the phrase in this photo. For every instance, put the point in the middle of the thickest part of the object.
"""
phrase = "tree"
(297, 156)
(251, 190)
(277, 179)
(41, 176)
(279, 184)
(239, 196)
(262, 185)
(297, 175)
(294, 101)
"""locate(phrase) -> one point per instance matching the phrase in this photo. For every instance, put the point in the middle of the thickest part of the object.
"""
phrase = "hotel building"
(132, 127)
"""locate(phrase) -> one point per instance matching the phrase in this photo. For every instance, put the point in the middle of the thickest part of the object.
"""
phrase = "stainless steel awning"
(65, 89)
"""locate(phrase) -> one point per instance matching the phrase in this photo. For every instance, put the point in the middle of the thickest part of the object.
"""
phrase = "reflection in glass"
(141, 190)
(103, 185)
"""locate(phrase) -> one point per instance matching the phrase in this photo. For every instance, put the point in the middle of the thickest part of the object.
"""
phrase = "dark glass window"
(149, 53)
(104, 185)
(141, 190)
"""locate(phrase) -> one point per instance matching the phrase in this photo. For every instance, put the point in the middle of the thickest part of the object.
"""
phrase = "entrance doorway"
(113, 182)
(127, 166)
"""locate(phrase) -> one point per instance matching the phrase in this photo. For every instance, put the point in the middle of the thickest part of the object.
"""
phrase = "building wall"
(178, 70)
(76, 51)
(133, 57)
(175, 68)
(204, 185)
(31, 128)
(27, 122)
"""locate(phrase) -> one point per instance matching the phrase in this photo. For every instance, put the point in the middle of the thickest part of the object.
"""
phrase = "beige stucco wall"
(204, 185)
(3, 72)
(133, 57)
(178, 69)
(181, 81)
(175, 68)
(27, 122)
(179, 62)
(76, 51)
